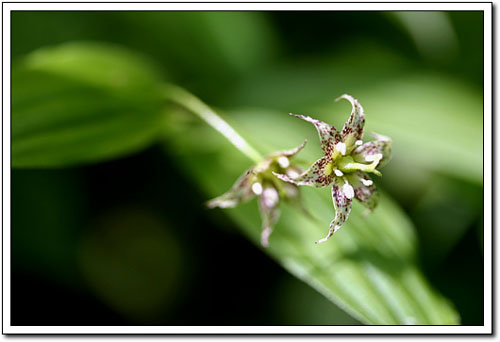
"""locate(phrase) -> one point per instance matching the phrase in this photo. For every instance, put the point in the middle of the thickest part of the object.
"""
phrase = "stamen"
(340, 146)
(257, 188)
(338, 173)
(346, 164)
(366, 182)
(373, 157)
(292, 173)
(284, 162)
(271, 197)
(348, 190)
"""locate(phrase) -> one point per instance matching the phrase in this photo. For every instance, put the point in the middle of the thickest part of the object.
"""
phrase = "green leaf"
(368, 268)
(82, 102)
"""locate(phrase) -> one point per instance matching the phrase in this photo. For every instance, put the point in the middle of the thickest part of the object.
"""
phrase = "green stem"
(187, 100)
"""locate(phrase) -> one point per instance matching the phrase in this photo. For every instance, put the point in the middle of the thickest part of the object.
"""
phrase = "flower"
(345, 164)
(259, 181)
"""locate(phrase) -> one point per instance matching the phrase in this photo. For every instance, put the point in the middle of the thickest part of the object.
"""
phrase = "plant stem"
(187, 100)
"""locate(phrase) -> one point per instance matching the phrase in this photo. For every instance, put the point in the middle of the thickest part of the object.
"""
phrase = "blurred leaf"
(432, 33)
(232, 44)
(300, 83)
(82, 102)
(368, 268)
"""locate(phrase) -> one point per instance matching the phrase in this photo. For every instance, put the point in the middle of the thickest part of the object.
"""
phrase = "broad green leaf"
(368, 268)
(82, 102)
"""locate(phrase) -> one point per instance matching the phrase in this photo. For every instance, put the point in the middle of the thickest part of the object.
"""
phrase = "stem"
(196, 106)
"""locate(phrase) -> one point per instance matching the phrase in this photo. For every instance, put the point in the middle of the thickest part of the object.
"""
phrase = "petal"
(342, 204)
(318, 175)
(269, 211)
(353, 128)
(283, 157)
(328, 135)
(280, 156)
(364, 190)
(366, 152)
(240, 192)
(291, 152)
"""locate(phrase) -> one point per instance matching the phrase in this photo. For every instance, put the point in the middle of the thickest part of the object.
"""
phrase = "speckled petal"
(328, 135)
(240, 192)
(315, 176)
(269, 211)
(364, 190)
(353, 128)
(291, 152)
(366, 152)
(342, 205)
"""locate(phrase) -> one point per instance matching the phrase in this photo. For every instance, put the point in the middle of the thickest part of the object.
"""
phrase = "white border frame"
(486, 329)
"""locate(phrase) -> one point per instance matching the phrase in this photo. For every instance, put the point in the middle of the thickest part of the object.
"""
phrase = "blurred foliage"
(418, 76)
(82, 103)
(192, 46)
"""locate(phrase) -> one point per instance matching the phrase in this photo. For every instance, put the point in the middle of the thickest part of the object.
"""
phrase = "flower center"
(346, 164)
(341, 164)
